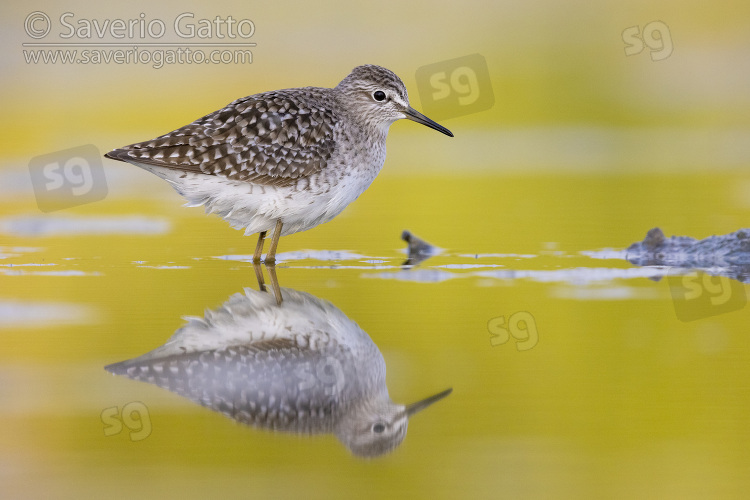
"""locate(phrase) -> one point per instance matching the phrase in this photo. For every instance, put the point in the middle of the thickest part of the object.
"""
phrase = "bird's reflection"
(291, 362)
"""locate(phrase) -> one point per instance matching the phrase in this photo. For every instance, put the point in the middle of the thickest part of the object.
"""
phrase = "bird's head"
(378, 97)
(378, 428)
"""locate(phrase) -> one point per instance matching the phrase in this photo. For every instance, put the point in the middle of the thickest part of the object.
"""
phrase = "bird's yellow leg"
(271, 255)
(259, 247)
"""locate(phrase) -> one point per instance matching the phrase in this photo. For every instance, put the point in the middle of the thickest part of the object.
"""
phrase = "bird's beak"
(421, 405)
(414, 115)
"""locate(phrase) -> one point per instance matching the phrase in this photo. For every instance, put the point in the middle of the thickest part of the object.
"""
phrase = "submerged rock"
(418, 250)
(726, 255)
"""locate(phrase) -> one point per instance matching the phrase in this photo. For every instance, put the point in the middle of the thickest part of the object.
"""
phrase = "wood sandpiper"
(300, 366)
(283, 161)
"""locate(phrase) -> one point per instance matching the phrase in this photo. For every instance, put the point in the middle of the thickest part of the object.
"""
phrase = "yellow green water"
(617, 398)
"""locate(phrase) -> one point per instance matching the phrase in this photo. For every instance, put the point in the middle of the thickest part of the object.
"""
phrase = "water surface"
(572, 374)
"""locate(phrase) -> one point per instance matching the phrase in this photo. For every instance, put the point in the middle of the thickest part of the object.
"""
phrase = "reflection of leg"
(274, 282)
(259, 247)
(259, 276)
(271, 255)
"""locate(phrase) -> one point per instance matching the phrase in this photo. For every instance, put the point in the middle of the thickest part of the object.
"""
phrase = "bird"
(300, 366)
(284, 161)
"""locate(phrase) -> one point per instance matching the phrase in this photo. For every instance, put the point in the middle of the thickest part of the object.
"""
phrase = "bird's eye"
(378, 428)
(378, 95)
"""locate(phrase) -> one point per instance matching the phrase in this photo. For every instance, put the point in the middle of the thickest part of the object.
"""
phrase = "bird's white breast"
(311, 201)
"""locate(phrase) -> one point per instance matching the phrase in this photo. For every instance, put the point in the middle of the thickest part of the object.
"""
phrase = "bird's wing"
(274, 384)
(273, 138)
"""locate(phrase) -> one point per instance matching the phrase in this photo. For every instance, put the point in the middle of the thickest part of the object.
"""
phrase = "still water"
(574, 373)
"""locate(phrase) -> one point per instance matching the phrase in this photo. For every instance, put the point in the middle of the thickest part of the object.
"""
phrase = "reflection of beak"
(413, 114)
(421, 405)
